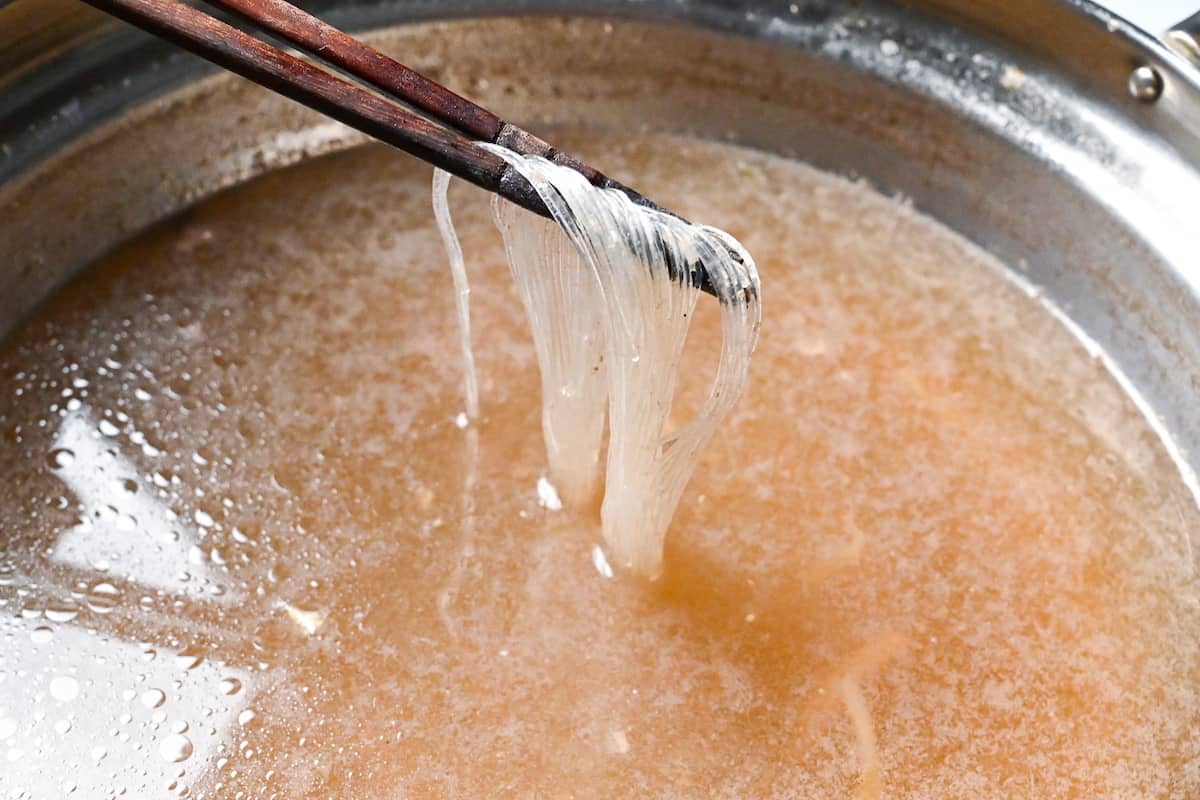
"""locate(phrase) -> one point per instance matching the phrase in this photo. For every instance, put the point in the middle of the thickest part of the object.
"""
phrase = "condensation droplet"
(153, 698)
(61, 612)
(175, 748)
(41, 635)
(103, 598)
(188, 659)
(246, 717)
(64, 688)
(230, 686)
(60, 458)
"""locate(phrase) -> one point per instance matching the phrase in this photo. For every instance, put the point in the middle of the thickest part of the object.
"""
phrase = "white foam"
(548, 495)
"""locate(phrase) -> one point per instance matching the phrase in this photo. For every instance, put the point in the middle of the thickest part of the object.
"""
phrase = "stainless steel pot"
(1054, 135)
(1057, 136)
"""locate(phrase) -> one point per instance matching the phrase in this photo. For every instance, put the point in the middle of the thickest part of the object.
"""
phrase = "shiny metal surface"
(1184, 38)
(1009, 120)
(1145, 84)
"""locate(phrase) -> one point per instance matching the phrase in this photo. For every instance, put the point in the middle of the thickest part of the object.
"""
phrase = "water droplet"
(98, 753)
(203, 519)
(230, 686)
(246, 717)
(64, 688)
(107, 428)
(179, 726)
(103, 598)
(153, 698)
(188, 659)
(175, 748)
(60, 458)
(61, 612)
(62, 726)
(41, 635)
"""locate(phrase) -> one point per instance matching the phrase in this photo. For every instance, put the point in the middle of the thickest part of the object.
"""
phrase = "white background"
(1153, 15)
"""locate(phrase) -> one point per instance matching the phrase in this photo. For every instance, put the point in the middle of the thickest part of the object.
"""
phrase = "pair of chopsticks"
(387, 111)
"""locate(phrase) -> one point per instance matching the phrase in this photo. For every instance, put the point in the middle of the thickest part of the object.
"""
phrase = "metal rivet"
(1145, 84)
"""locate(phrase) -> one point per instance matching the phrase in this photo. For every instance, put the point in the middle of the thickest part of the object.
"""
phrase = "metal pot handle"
(1184, 38)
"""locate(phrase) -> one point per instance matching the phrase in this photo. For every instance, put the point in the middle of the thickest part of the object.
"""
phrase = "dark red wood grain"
(333, 45)
(446, 139)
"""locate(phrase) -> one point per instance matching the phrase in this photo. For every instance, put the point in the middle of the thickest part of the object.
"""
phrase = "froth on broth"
(248, 552)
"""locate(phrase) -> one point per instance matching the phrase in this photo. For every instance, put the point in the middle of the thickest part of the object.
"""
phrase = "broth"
(249, 552)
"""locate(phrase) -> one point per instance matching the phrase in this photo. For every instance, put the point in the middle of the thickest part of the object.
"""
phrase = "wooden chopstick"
(448, 140)
(312, 86)
(317, 37)
(330, 44)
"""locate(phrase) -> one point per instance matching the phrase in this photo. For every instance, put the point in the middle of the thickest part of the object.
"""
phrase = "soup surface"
(248, 552)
